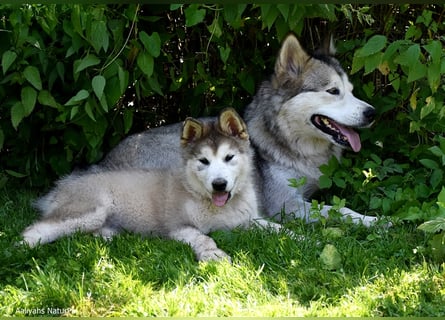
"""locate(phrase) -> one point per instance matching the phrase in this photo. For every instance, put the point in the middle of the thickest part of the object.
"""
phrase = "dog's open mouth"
(220, 198)
(342, 135)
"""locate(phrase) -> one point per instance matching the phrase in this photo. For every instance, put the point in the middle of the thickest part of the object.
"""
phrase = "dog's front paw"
(213, 255)
(31, 237)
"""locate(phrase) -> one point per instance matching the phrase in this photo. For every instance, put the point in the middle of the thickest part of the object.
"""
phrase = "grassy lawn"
(381, 273)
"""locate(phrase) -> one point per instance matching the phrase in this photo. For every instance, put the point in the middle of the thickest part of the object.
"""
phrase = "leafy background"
(77, 79)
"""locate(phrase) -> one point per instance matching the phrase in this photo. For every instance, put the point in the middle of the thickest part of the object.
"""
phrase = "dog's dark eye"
(333, 91)
(229, 157)
(204, 161)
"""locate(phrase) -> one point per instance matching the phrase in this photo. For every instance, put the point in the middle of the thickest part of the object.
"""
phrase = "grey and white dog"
(305, 114)
(213, 188)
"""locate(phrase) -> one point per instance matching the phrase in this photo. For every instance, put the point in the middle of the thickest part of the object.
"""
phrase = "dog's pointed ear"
(291, 57)
(192, 130)
(231, 124)
(327, 47)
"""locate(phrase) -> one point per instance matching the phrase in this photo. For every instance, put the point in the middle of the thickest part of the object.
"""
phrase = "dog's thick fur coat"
(213, 189)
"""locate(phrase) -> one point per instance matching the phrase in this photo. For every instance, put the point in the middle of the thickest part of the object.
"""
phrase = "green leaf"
(372, 62)
(428, 108)
(123, 79)
(284, 10)
(375, 44)
(74, 111)
(434, 48)
(16, 174)
(339, 182)
(151, 43)
(45, 98)
(29, 97)
(104, 103)
(330, 257)
(80, 96)
(112, 91)
(247, 82)
(232, 14)
(94, 130)
(98, 84)
(194, 15)
(441, 196)
(271, 16)
(433, 226)
(32, 74)
(128, 120)
(76, 20)
(325, 182)
(89, 111)
(8, 59)
(417, 70)
(409, 57)
(357, 62)
(145, 63)
(215, 27)
(428, 163)
(17, 114)
(99, 36)
(175, 6)
(224, 53)
(433, 75)
(436, 178)
(88, 61)
(154, 84)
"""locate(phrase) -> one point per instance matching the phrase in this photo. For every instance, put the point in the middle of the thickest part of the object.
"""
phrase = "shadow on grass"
(382, 273)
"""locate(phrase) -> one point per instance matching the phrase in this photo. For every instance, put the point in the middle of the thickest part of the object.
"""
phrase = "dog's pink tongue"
(353, 137)
(220, 198)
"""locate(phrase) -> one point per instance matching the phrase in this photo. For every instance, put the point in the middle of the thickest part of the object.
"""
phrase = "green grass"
(382, 273)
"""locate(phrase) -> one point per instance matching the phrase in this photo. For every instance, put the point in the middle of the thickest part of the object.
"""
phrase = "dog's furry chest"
(207, 218)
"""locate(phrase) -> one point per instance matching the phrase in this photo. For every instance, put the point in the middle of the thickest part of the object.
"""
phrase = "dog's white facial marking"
(329, 112)
(216, 172)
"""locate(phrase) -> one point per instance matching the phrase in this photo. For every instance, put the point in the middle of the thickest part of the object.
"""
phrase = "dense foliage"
(77, 79)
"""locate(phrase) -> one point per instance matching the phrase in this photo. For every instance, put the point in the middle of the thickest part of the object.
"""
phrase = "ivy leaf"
(194, 15)
(32, 74)
(28, 97)
(89, 111)
(151, 43)
(8, 59)
(215, 28)
(409, 57)
(123, 79)
(98, 84)
(417, 70)
(88, 61)
(375, 44)
(45, 98)
(17, 114)
(80, 96)
(434, 48)
(145, 63)
(224, 53)
(99, 36)
(128, 120)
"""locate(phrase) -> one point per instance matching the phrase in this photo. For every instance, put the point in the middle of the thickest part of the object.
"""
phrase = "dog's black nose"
(219, 184)
(369, 114)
